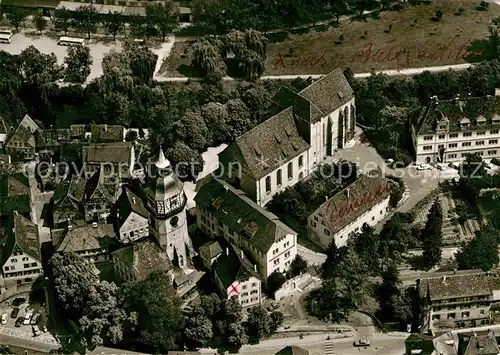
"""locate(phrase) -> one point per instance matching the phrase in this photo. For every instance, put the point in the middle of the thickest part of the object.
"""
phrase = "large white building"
(307, 127)
(449, 130)
(223, 211)
(366, 201)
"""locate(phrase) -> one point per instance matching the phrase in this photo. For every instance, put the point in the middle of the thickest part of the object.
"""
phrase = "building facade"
(449, 130)
(115, 160)
(132, 218)
(235, 276)
(22, 142)
(21, 258)
(460, 300)
(365, 201)
(307, 127)
(223, 211)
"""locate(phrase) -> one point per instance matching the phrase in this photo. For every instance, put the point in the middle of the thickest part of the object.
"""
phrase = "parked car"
(487, 164)
(361, 342)
(455, 165)
(35, 318)
(19, 321)
(18, 301)
(14, 312)
(36, 330)
(27, 318)
(4, 318)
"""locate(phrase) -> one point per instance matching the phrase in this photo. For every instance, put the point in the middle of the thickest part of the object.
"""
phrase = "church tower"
(166, 203)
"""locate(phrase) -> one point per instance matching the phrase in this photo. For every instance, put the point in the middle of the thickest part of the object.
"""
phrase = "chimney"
(226, 188)
(242, 256)
(326, 198)
(133, 199)
(497, 92)
(105, 127)
(255, 267)
(347, 192)
(444, 279)
(70, 227)
(227, 251)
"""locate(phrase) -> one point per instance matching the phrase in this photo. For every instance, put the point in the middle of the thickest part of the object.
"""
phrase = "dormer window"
(481, 120)
(340, 95)
(464, 122)
(278, 139)
(257, 151)
(496, 119)
(288, 132)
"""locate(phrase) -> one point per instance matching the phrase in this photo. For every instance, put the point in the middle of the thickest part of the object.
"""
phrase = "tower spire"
(162, 162)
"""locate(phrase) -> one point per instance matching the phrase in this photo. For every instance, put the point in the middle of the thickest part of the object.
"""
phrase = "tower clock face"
(174, 221)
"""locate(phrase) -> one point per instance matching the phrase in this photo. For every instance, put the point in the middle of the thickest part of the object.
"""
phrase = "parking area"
(27, 316)
(47, 45)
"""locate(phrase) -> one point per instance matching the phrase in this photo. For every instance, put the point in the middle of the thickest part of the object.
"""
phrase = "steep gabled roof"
(463, 284)
(104, 133)
(86, 237)
(231, 206)
(267, 146)
(108, 153)
(143, 258)
(212, 249)
(127, 203)
(95, 186)
(14, 194)
(25, 132)
(21, 235)
(330, 92)
(233, 266)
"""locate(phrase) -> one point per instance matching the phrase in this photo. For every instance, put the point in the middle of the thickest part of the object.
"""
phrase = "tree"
(63, 20)
(333, 257)
(196, 131)
(274, 282)
(298, 266)
(207, 55)
(163, 17)
(364, 244)
(114, 24)
(142, 62)
(432, 235)
(210, 304)
(38, 68)
(483, 6)
(338, 8)
(188, 162)
(389, 287)
(16, 16)
(73, 277)
(258, 322)
(78, 63)
(276, 320)
(159, 317)
(480, 252)
(86, 19)
(333, 302)
(439, 14)
(40, 22)
(198, 329)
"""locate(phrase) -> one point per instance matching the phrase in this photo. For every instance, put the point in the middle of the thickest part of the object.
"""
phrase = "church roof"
(267, 146)
(233, 266)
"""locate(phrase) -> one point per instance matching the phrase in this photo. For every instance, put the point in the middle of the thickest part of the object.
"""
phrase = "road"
(26, 340)
(380, 344)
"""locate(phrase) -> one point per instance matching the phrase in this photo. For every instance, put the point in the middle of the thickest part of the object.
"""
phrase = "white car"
(27, 318)
(488, 164)
(424, 167)
(441, 166)
(4, 318)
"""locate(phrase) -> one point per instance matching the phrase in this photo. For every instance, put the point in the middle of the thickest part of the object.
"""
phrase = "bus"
(71, 41)
(6, 35)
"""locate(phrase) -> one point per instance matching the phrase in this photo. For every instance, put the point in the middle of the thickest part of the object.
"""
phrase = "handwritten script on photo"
(403, 55)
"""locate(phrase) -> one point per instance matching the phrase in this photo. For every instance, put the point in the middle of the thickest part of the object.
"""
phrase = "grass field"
(399, 39)
(489, 203)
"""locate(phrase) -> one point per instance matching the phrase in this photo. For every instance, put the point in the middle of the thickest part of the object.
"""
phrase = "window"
(481, 312)
(441, 146)
(278, 177)
(493, 141)
(428, 138)
(287, 254)
(494, 131)
(441, 136)
(290, 171)
(301, 161)
(316, 218)
(276, 261)
(465, 314)
(373, 218)
(453, 135)
(327, 232)
(466, 144)
(492, 152)
(33, 264)
(275, 251)
(254, 284)
(13, 260)
(268, 184)
(244, 294)
(481, 133)
(479, 142)
(313, 223)
(174, 221)
(25, 259)
(253, 292)
(26, 265)
(6, 268)
(451, 315)
(453, 145)
(452, 156)
(244, 287)
(467, 134)
(427, 147)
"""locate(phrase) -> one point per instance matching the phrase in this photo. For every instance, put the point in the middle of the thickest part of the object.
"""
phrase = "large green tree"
(198, 328)
(480, 253)
(63, 20)
(86, 19)
(114, 23)
(16, 16)
(159, 317)
(78, 63)
(162, 18)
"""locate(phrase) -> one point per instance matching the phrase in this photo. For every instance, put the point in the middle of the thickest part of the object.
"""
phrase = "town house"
(131, 217)
(449, 130)
(22, 142)
(365, 201)
(116, 160)
(223, 211)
